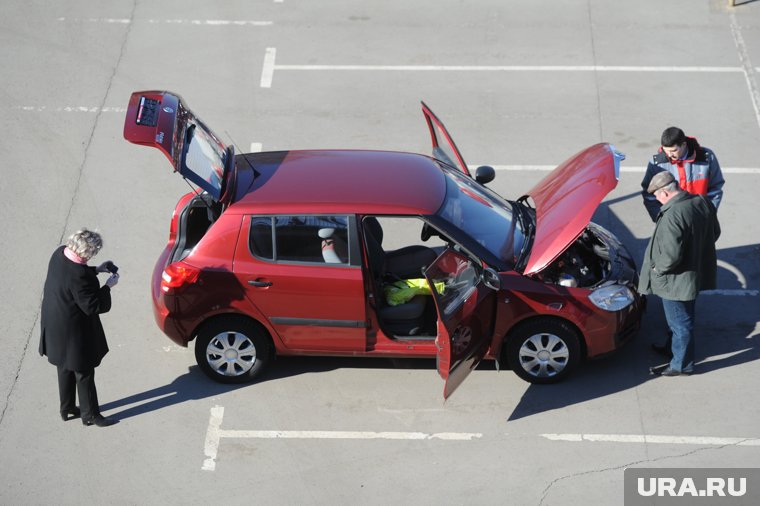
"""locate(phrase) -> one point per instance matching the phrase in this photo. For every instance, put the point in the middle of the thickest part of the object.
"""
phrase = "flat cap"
(660, 180)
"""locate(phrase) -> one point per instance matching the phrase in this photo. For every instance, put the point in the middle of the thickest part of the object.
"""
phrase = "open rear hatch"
(161, 119)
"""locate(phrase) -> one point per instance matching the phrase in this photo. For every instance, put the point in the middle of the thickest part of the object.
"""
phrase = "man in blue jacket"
(679, 262)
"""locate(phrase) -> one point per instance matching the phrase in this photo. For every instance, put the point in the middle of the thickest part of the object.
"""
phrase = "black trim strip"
(314, 322)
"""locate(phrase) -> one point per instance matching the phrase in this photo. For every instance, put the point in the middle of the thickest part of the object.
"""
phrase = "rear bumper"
(164, 304)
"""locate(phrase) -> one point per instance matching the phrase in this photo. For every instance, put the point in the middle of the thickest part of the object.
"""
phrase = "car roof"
(337, 181)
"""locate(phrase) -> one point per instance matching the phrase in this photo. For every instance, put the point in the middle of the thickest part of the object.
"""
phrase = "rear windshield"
(205, 159)
(484, 216)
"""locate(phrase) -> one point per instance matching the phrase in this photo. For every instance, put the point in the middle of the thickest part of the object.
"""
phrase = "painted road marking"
(215, 433)
(211, 447)
(333, 434)
(749, 71)
(654, 439)
(267, 70)
(72, 108)
(512, 68)
(196, 22)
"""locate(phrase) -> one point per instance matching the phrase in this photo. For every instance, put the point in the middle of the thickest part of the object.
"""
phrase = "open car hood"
(566, 199)
(161, 119)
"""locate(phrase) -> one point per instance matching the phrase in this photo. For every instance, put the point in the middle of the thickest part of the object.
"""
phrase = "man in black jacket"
(72, 336)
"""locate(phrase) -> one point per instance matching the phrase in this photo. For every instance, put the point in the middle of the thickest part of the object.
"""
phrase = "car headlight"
(612, 297)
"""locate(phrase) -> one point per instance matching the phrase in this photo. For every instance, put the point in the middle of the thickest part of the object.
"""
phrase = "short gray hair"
(85, 243)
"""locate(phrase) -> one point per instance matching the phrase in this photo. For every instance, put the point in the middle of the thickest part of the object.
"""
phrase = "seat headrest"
(373, 226)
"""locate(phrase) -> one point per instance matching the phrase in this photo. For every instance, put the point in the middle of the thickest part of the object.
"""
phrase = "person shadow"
(191, 386)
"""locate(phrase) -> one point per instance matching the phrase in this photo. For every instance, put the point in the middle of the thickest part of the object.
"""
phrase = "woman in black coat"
(72, 336)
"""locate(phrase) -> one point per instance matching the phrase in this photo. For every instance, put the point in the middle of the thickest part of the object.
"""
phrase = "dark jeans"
(680, 317)
(69, 382)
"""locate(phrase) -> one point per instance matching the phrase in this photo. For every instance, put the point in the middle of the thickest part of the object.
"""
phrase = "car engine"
(586, 263)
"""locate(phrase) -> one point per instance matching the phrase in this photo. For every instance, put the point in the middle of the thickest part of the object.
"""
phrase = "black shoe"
(663, 350)
(70, 414)
(668, 371)
(98, 420)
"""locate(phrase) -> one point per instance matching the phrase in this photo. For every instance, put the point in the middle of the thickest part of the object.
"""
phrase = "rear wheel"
(232, 350)
(544, 350)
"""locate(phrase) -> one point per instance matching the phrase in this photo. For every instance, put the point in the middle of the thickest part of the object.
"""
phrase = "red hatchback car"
(374, 253)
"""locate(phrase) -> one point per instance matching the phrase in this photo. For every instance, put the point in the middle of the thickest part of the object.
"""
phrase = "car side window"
(310, 239)
(260, 238)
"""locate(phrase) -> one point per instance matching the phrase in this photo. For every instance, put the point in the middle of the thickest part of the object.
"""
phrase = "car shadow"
(726, 329)
(285, 367)
(719, 344)
(194, 385)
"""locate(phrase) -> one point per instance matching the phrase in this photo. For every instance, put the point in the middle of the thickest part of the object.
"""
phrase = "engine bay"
(585, 264)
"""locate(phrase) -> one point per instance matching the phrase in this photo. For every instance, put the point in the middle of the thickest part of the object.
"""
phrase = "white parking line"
(511, 68)
(211, 447)
(732, 293)
(70, 108)
(267, 70)
(749, 71)
(332, 434)
(214, 433)
(270, 67)
(654, 439)
(197, 22)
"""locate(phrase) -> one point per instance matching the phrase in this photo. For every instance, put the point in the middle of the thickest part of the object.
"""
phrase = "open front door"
(161, 119)
(465, 316)
(444, 148)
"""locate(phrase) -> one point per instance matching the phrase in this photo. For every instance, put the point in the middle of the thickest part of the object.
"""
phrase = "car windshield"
(483, 215)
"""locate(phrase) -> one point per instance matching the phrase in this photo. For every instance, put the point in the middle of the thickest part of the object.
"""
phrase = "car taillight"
(178, 274)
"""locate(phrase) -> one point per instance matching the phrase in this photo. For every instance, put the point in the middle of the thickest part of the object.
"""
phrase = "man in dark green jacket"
(679, 262)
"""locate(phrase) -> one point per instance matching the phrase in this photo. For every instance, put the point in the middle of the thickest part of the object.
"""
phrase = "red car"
(375, 253)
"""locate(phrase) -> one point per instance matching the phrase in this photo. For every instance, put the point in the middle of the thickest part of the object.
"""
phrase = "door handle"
(254, 282)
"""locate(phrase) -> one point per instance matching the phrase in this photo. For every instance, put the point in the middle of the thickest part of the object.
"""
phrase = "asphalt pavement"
(521, 86)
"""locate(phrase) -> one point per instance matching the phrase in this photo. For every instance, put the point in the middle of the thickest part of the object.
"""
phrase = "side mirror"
(491, 278)
(484, 174)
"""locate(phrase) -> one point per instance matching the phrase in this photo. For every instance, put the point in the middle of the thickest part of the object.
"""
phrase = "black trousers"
(69, 382)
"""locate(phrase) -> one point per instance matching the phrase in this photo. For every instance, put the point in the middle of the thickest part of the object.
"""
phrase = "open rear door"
(444, 148)
(465, 316)
(161, 119)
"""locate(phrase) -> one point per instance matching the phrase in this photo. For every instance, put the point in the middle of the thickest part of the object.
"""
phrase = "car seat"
(403, 263)
(334, 249)
(408, 318)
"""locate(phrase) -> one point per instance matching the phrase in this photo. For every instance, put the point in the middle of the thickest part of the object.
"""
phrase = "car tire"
(232, 350)
(543, 350)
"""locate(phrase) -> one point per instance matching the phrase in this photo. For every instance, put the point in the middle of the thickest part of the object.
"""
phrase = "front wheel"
(543, 350)
(232, 350)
